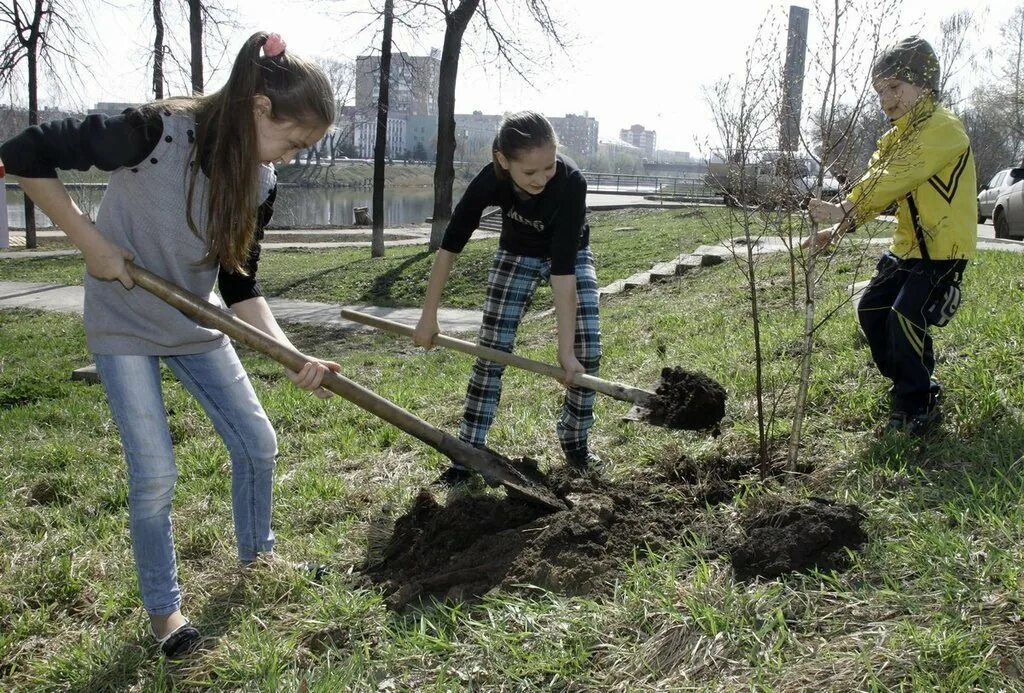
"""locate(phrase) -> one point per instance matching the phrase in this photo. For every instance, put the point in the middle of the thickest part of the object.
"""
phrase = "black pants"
(903, 299)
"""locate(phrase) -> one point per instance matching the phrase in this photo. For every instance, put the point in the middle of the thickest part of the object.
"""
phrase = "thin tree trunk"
(33, 119)
(762, 436)
(800, 406)
(158, 51)
(380, 145)
(195, 35)
(444, 167)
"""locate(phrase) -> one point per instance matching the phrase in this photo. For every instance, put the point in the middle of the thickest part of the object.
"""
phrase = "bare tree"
(456, 20)
(158, 50)
(341, 75)
(849, 36)
(380, 145)
(763, 186)
(502, 30)
(44, 33)
(1011, 87)
(744, 117)
(955, 52)
(210, 26)
(989, 126)
(195, 39)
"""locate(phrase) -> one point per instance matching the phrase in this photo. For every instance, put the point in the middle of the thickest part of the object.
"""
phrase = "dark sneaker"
(455, 476)
(897, 421)
(925, 422)
(583, 461)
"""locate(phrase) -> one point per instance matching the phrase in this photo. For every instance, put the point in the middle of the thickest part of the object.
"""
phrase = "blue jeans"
(218, 381)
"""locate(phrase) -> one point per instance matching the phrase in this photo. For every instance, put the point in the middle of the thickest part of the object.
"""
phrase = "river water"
(295, 207)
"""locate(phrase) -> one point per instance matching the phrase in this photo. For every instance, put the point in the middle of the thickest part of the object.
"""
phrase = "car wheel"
(1002, 226)
(981, 218)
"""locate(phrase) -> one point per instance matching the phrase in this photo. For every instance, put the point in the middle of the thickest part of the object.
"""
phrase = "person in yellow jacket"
(925, 165)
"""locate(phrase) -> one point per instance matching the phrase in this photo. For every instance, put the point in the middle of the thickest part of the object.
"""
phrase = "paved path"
(54, 297)
(68, 299)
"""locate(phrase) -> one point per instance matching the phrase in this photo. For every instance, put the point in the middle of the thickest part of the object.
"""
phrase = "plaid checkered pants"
(511, 283)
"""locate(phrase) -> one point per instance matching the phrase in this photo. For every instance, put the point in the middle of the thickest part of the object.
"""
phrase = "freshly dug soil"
(687, 400)
(476, 543)
(813, 535)
(479, 542)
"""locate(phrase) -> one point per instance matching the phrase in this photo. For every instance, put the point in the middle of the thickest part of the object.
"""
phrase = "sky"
(644, 62)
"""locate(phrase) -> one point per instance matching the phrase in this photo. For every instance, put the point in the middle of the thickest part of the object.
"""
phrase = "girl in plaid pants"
(544, 237)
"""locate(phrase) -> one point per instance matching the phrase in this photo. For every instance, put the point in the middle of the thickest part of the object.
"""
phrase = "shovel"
(625, 393)
(494, 468)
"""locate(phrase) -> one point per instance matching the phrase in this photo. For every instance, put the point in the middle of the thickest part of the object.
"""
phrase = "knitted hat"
(911, 60)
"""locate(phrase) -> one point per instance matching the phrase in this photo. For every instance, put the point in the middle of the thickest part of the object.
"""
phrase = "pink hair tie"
(273, 46)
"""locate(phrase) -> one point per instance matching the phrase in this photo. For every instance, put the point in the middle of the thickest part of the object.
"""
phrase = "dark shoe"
(180, 642)
(925, 422)
(897, 421)
(454, 477)
(583, 461)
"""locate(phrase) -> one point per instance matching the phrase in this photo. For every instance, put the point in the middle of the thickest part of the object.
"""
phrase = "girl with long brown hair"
(192, 186)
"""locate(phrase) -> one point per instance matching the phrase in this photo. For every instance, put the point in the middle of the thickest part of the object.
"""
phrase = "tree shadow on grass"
(379, 292)
(953, 467)
(299, 282)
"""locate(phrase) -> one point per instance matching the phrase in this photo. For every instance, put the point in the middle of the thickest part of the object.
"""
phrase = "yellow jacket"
(928, 155)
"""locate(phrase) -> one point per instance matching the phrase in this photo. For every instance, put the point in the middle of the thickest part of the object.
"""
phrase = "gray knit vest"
(143, 210)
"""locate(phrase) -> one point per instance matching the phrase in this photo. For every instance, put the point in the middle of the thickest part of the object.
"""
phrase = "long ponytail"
(227, 146)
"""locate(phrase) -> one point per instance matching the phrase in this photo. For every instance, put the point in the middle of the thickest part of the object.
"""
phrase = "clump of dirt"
(814, 535)
(687, 400)
(476, 543)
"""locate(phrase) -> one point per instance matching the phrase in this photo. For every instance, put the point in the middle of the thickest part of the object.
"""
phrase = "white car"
(990, 193)
(1008, 211)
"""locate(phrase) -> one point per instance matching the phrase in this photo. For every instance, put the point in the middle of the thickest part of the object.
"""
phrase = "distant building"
(366, 138)
(421, 137)
(669, 156)
(640, 137)
(412, 96)
(412, 90)
(577, 133)
(474, 135)
(14, 120)
(111, 108)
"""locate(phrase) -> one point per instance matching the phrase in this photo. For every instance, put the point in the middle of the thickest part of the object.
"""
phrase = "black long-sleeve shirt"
(109, 143)
(552, 224)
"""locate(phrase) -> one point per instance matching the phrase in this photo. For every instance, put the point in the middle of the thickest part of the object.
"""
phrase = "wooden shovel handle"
(605, 387)
(492, 467)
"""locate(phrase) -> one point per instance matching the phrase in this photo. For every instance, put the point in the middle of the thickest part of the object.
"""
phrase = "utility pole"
(793, 88)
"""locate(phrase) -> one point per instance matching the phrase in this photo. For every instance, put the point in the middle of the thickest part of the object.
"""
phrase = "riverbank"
(343, 173)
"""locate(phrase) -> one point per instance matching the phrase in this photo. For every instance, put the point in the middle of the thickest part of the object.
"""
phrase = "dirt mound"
(687, 400)
(812, 535)
(476, 543)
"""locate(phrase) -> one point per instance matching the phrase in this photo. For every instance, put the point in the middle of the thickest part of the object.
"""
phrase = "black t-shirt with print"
(552, 224)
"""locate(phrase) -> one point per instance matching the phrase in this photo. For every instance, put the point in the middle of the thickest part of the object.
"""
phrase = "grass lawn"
(350, 276)
(933, 602)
